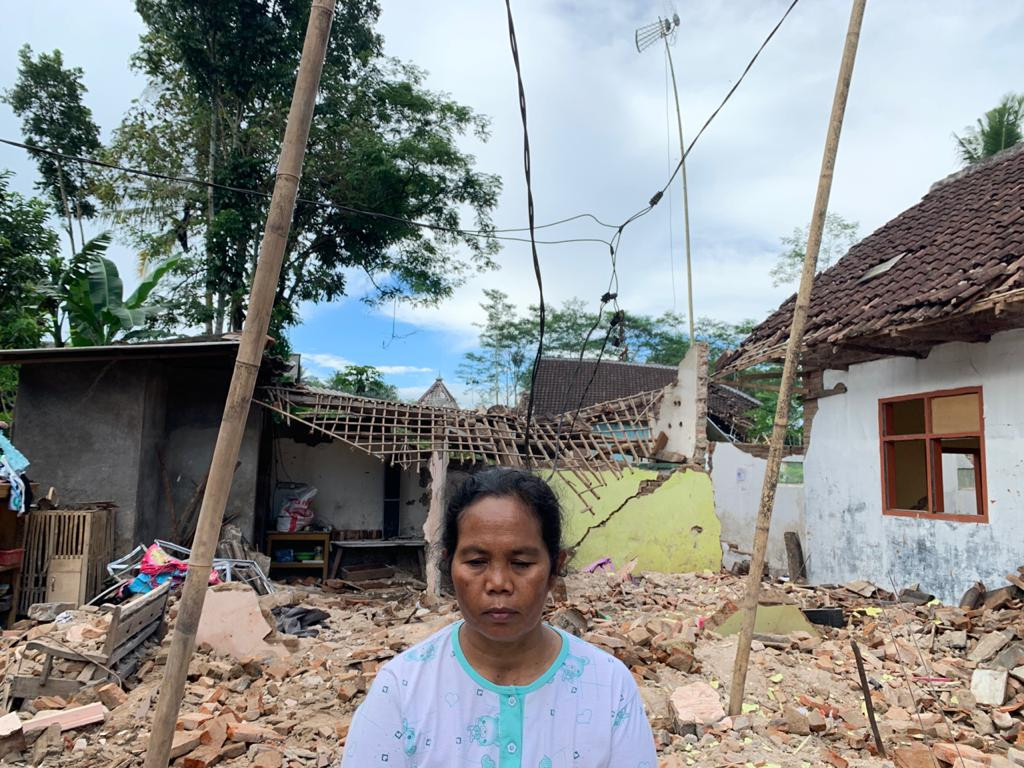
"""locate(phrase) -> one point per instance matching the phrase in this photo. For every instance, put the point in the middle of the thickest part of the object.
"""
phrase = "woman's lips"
(500, 614)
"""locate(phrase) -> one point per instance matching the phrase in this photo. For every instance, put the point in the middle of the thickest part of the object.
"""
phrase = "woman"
(500, 689)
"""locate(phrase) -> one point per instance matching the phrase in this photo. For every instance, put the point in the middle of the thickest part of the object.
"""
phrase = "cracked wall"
(668, 522)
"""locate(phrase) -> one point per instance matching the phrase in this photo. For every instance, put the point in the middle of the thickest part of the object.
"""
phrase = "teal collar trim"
(486, 684)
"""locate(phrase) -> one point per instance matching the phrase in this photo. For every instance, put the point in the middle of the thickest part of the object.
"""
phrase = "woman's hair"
(530, 490)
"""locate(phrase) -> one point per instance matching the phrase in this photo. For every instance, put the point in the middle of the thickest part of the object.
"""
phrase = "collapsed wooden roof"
(604, 438)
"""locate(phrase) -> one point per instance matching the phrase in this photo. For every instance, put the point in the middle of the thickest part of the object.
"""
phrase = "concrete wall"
(195, 395)
(848, 537)
(672, 529)
(116, 430)
(350, 485)
(737, 477)
(81, 426)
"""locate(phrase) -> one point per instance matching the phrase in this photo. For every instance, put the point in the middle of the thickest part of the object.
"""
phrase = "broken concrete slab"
(1011, 656)
(46, 612)
(697, 703)
(233, 624)
(67, 719)
(989, 686)
(989, 645)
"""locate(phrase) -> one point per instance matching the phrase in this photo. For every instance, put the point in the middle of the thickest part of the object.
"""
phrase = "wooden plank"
(30, 687)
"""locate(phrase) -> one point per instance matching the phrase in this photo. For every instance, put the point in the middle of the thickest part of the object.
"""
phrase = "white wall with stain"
(848, 537)
(737, 477)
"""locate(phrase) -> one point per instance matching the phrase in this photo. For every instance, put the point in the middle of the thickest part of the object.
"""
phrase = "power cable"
(728, 96)
(530, 216)
(482, 233)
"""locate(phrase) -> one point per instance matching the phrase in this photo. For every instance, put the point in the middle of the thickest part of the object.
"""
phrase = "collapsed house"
(913, 419)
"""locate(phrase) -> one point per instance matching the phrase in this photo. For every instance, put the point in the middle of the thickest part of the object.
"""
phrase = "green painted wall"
(673, 529)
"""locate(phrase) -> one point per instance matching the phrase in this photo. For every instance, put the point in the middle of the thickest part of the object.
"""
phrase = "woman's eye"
(477, 561)
(521, 564)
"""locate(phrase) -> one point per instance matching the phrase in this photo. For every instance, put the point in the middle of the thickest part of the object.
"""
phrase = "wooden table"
(306, 541)
(340, 547)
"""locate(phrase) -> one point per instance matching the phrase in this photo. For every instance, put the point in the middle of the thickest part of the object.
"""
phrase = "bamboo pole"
(243, 380)
(803, 300)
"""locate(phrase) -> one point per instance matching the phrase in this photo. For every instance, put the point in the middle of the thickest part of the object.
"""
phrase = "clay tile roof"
(561, 383)
(953, 253)
(438, 396)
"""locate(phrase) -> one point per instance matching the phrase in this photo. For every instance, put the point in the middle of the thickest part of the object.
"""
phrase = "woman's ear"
(563, 555)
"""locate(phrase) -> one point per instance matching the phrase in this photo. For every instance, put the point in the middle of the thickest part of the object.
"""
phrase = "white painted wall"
(350, 485)
(737, 478)
(848, 537)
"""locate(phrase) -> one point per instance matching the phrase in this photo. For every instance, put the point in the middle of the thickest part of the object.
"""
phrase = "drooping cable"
(530, 216)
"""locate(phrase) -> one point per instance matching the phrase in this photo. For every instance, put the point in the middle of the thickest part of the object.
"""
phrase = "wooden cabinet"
(300, 543)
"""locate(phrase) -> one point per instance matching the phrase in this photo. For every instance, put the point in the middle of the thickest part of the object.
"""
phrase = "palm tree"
(999, 129)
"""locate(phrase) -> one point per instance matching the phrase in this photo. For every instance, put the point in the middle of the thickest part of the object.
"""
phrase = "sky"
(602, 141)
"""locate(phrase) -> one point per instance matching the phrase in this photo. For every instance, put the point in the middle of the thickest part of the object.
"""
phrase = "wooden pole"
(869, 705)
(243, 380)
(796, 334)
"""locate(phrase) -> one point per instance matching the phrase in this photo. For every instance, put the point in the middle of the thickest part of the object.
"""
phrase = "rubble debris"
(291, 707)
(67, 719)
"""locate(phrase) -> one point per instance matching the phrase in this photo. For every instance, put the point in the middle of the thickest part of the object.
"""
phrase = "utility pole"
(645, 37)
(243, 380)
(796, 334)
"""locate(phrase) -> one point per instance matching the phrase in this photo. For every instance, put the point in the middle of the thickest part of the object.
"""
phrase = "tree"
(838, 236)
(379, 142)
(48, 99)
(363, 381)
(87, 294)
(26, 245)
(999, 129)
(497, 371)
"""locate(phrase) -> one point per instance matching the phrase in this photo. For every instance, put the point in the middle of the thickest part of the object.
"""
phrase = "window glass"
(908, 475)
(956, 414)
(791, 473)
(905, 417)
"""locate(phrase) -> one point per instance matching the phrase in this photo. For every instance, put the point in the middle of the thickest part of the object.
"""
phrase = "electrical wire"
(728, 96)
(481, 233)
(530, 216)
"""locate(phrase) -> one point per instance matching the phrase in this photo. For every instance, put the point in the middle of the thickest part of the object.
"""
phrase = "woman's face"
(501, 569)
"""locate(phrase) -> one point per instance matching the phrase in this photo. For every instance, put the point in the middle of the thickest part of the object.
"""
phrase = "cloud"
(324, 364)
(402, 370)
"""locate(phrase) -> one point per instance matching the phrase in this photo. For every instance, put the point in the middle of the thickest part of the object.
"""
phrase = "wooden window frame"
(931, 441)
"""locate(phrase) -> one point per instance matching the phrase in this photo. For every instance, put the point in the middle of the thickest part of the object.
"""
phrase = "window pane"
(959, 475)
(956, 414)
(907, 474)
(904, 417)
(965, 479)
(791, 473)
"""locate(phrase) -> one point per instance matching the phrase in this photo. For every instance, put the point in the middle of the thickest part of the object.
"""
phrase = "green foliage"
(360, 380)
(838, 236)
(25, 246)
(88, 293)
(48, 99)
(379, 141)
(999, 129)
(764, 417)
(499, 371)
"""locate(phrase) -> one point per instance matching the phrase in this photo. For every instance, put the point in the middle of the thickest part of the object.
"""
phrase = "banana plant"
(92, 293)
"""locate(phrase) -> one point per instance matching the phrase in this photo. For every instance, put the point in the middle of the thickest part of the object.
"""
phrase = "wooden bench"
(131, 624)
